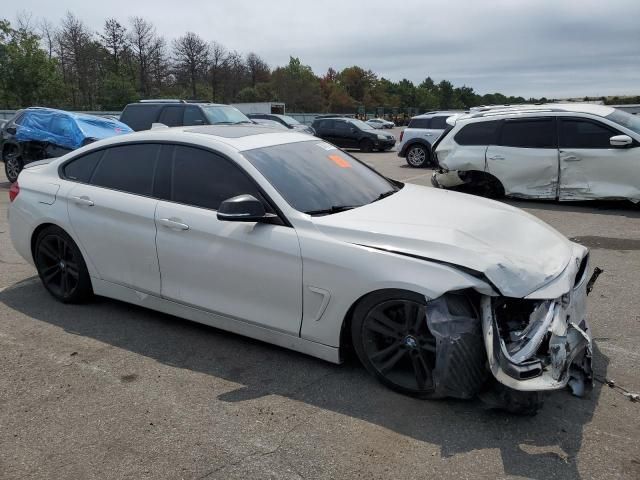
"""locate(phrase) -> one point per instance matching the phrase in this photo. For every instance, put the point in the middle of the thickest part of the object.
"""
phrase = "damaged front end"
(540, 344)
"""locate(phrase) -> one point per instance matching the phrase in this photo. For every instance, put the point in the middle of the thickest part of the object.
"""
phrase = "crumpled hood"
(517, 252)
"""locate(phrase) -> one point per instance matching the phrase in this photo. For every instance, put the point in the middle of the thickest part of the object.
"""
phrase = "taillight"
(14, 191)
(401, 135)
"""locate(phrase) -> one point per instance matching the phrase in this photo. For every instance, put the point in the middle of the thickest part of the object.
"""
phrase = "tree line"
(67, 65)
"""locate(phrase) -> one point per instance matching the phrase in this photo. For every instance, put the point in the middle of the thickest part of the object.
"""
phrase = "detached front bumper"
(448, 179)
(536, 345)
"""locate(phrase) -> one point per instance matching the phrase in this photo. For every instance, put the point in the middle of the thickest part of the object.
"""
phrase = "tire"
(13, 165)
(418, 156)
(366, 145)
(61, 267)
(399, 353)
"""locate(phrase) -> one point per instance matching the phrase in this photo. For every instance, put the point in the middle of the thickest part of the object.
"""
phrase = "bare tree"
(145, 44)
(115, 41)
(258, 69)
(76, 52)
(191, 56)
(48, 35)
(218, 62)
(24, 20)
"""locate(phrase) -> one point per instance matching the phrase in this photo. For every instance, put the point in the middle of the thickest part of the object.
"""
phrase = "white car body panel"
(251, 271)
(567, 174)
(527, 172)
(291, 285)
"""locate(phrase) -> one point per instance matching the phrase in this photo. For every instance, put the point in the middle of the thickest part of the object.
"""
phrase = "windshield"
(289, 120)
(632, 122)
(361, 125)
(224, 114)
(315, 177)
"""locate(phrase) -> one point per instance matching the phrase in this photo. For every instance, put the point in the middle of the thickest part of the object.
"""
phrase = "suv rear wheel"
(418, 156)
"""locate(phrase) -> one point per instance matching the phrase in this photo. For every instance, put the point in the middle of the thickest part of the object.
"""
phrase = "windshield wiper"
(385, 195)
(242, 121)
(332, 209)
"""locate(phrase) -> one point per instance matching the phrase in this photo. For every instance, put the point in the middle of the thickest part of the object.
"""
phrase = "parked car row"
(352, 133)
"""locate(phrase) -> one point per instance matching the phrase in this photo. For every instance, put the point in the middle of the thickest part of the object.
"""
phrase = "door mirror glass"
(11, 130)
(620, 141)
(243, 208)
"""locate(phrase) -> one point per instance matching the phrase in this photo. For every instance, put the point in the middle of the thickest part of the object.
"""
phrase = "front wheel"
(393, 342)
(61, 267)
(418, 156)
(13, 166)
(366, 145)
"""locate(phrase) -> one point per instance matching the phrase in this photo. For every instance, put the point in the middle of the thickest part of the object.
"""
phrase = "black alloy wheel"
(394, 343)
(61, 266)
(12, 166)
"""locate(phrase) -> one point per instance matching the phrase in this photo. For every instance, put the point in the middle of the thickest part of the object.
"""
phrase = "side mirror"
(244, 208)
(11, 130)
(621, 141)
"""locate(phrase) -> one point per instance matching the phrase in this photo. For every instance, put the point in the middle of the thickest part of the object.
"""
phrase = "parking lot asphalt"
(109, 390)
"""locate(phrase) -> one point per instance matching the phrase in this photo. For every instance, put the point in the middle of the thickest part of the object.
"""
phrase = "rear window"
(419, 123)
(129, 168)
(81, 168)
(140, 116)
(534, 133)
(479, 133)
(439, 123)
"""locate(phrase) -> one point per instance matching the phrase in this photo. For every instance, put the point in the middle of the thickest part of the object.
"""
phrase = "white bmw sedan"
(284, 238)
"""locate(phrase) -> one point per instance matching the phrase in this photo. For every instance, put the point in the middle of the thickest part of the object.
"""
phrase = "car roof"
(238, 137)
(505, 111)
(438, 112)
(170, 102)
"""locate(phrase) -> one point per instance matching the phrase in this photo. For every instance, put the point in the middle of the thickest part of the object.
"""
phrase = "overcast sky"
(554, 48)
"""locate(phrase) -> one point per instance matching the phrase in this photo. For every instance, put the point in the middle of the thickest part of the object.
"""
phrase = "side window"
(171, 116)
(18, 119)
(576, 133)
(193, 116)
(439, 123)
(479, 133)
(419, 123)
(534, 133)
(81, 168)
(129, 168)
(140, 116)
(343, 127)
(204, 179)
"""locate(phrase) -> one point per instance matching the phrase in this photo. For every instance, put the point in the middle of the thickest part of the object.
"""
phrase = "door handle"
(571, 158)
(83, 200)
(173, 224)
(496, 157)
(428, 134)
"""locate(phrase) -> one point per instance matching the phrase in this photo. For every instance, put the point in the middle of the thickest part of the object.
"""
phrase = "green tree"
(297, 86)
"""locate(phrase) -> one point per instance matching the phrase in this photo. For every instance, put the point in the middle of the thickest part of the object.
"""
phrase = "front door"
(590, 167)
(525, 159)
(247, 271)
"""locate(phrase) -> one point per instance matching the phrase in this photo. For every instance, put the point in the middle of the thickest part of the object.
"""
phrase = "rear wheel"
(61, 267)
(391, 338)
(418, 156)
(366, 145)
(12, 165)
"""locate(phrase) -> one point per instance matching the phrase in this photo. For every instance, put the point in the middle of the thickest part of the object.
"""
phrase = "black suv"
(177, 113)
(289, 122)
(352, 133)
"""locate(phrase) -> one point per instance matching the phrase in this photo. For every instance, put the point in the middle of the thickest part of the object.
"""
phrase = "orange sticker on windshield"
(338, 160)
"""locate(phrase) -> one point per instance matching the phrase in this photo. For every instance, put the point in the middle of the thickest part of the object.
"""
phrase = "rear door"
(525, 160)
(590, 167)
(437, 125)
(112, 213)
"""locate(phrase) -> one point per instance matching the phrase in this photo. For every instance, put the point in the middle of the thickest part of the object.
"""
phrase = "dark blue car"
(37, 133)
